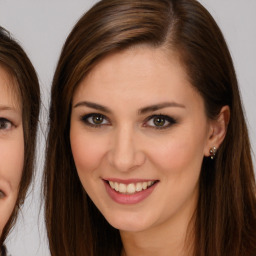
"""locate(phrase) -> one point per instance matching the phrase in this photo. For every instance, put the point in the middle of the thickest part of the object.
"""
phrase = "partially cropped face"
(138, 136)
(11, 146)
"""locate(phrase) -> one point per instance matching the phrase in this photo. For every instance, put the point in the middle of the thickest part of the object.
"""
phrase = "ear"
(218, 129)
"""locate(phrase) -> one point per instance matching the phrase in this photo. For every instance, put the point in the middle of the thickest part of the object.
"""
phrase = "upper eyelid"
(86, 116)
(93, 114)
(15, 121)
(160, 115)
(106, 117)
(7, 120)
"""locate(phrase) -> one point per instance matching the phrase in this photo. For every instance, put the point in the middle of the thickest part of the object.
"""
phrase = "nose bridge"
(125, 153)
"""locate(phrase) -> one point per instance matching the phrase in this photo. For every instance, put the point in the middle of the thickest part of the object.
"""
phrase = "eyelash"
(170, 121)
(166, 119)
(86, 118)
(4, 122)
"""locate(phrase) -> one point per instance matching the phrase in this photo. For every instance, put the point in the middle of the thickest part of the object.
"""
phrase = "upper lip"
(128, 181)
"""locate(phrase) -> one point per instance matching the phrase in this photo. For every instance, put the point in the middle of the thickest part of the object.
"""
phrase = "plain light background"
(41, 27)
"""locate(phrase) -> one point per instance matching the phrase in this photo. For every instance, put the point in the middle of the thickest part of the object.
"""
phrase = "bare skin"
(11, 146)
(137, 119)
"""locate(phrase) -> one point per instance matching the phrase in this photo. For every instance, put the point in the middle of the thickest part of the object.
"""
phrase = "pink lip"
(128, 199)
(126, 182)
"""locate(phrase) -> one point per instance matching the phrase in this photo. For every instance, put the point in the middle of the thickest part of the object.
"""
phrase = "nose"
(125, 153)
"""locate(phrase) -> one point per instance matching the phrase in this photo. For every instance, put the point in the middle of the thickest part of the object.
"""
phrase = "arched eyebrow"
(93, 105)
(156, 107)
(141, 111)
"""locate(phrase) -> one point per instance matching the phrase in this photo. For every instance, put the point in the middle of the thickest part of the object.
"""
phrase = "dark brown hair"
(17, 64)
(225, 220)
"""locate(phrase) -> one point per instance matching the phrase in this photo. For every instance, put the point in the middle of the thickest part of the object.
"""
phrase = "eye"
(160, 121)
(95, 120)
(5, 124)
(2, 194)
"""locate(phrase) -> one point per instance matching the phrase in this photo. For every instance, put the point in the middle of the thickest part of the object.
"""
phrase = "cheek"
(12, 161)
(10, 172)
(87, 150)
(180, 152)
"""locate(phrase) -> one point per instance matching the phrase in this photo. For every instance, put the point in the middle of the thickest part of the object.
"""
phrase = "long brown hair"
(225, 220)
(17, 64)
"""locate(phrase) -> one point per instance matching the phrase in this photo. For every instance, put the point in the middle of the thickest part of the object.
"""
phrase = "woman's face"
(138, 135)
(11, 146)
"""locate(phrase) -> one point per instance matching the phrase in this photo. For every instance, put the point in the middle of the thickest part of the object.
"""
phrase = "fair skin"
(136, 122)
(11, 146)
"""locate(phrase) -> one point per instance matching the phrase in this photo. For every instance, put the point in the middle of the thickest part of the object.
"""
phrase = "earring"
(213, 151)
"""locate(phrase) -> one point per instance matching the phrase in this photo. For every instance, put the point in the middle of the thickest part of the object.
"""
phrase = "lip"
(128, 199)
(129, 181)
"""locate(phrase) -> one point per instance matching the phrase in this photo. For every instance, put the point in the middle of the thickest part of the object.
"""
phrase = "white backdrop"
(41, 27)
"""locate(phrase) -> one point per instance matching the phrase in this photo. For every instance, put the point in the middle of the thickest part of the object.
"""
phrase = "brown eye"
(97, 119)
(5, 124)
(159, 121)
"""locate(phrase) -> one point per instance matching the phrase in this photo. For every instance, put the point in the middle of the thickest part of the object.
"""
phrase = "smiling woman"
(148, 151)
(141, 153)
(11, 144)
(19, 109)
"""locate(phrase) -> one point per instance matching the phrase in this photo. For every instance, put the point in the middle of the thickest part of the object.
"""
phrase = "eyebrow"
(92, 105)
(3, 108)
(141, 111)
(160, 106)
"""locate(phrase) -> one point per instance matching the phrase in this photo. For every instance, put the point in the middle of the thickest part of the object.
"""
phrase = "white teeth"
(150, 183)
(144, 185)
(138, 187)
(122, 188)
(130, 188)
(116, 186)
(112, 185)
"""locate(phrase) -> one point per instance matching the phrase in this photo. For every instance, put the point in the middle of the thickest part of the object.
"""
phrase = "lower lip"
(129, 198)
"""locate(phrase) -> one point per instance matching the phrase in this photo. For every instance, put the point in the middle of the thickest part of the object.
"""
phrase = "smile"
(129, 191)
(130, 188)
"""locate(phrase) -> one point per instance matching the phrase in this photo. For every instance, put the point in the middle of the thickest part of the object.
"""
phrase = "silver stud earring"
(213, 151)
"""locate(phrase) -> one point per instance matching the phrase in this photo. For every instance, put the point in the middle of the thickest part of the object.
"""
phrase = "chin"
(130, 222)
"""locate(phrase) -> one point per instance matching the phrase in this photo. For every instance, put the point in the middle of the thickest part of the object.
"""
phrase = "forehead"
(9, 88)
(138, 60)
(135, 72)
